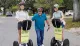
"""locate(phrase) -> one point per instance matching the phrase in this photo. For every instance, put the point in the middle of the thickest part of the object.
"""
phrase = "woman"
(58, 15)
(21, 15)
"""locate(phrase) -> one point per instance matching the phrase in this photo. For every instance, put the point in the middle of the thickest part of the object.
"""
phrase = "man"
(40, 19)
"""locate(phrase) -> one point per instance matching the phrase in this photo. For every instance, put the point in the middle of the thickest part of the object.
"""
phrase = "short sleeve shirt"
(57, 15)
(39, 21)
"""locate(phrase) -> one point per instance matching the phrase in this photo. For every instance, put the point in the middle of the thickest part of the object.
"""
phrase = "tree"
(29, 3)
(76, 16)
(68, 4)
(47, 4)
(7, 4)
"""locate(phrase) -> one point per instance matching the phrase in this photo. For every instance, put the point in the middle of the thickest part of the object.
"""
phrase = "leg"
(19, 31)
(63, 25)
(38, 37)
(42, 36)
(19, 38)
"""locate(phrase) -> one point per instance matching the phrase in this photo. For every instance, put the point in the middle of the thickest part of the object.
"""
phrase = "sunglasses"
(39, 11)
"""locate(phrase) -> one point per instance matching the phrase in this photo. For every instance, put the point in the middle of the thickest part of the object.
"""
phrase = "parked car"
(69, 13)
(9, 13)
(1, 13)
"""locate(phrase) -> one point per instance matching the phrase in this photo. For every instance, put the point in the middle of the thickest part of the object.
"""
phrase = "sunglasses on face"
(39, 11)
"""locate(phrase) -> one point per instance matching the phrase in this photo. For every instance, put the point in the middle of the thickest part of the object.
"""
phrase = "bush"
(14, 8)
(30, 13)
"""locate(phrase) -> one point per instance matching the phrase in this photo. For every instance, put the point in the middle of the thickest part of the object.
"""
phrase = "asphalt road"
(9, 33)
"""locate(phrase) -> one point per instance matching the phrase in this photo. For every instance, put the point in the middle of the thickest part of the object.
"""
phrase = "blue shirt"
(39, 21)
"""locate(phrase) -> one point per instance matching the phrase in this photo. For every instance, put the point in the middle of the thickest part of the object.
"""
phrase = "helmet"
(21, 3)
(56, 5)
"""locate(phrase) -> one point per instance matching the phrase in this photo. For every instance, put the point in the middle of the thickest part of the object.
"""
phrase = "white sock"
(26, 45)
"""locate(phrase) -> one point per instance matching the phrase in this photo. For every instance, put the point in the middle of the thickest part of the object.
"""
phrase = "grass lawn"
(3, 16)
(71, 24)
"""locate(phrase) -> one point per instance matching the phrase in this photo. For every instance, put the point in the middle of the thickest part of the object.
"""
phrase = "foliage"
(47, 3)
(68, 4)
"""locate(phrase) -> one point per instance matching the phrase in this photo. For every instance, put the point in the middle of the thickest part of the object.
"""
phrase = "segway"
(25, 34)
(58, 39)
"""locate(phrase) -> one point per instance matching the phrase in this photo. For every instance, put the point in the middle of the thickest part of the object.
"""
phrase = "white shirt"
(22, 15)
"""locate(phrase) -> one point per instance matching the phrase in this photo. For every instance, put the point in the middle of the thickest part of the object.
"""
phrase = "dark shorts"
(25, 25)
(20, 24)
(56, 23)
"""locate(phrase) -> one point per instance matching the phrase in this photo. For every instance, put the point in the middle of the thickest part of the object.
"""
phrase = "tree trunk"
(4, 11)
(76, 16)
(51, 8)
(51, 11)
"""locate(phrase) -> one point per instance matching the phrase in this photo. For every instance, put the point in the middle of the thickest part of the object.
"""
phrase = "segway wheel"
(15, 43)
(53, 42)
(66, 42)
(30, 43)
(58, 43)
(24, 44)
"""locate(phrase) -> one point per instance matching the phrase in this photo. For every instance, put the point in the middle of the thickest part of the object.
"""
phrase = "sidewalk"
(75, 31)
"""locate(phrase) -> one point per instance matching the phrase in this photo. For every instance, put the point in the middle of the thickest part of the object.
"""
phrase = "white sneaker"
(20, 45)
(42, 45)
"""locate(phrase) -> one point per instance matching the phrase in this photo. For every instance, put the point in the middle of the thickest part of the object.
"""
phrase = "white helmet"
(56, 5)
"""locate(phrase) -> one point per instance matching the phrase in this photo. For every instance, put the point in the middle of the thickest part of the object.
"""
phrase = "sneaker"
(20, 45)
(42, 45)
(61, 43)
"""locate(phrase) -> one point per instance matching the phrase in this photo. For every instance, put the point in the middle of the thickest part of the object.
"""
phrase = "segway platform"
(57, 40)
(58, 33)
(25, 35)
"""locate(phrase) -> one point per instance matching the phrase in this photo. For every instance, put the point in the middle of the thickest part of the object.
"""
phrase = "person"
(21, 15)
(58, 15)
(40, 19)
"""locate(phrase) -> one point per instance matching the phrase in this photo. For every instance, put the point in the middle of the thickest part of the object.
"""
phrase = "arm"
(33, 18)
(52, 16)
(17, 17)
(28, 18)
(47, 23)
(62, 16)
(47, 20)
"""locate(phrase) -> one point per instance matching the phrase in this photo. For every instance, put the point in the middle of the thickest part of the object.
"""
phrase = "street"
(9, 33)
